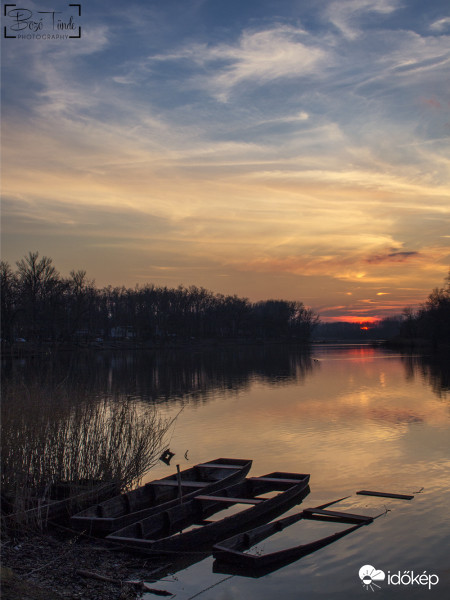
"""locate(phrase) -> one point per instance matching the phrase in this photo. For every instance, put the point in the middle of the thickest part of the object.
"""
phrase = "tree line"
(431, 321)
(39, 305)
(428, 324)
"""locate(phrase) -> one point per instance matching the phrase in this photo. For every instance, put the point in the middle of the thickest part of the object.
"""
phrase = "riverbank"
(416, 345)
(26, 349)
(52, 566)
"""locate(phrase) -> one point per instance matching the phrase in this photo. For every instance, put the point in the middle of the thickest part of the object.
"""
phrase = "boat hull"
(231, 551)
(166, 531)
(68, 499)
(124, 509)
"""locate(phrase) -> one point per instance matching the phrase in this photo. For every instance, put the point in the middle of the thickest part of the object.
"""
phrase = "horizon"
(297, 152)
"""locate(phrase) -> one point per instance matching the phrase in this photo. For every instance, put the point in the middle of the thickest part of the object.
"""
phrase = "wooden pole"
(180, 493)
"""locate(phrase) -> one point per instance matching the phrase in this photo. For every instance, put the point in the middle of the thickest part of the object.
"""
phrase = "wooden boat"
(186, 527)
(268, 563)
(232, 550)
(60, 502)
(123, 509)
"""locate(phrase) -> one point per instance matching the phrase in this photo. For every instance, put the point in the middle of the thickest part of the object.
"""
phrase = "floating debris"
(385, 495)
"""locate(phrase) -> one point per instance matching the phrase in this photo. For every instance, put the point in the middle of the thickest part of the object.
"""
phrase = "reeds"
(51, 443)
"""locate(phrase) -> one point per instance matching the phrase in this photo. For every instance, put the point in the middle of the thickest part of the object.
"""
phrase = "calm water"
(352, 416)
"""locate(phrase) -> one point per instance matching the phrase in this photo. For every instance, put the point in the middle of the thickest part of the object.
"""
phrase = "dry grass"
(48, 438)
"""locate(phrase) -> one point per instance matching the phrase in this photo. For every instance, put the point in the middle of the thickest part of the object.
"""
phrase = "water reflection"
(354, 417)
(165, 375)
(433, 369)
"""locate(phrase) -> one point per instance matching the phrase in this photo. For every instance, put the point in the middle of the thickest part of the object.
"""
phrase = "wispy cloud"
(346, 15)
(441, 24)
(257, 57)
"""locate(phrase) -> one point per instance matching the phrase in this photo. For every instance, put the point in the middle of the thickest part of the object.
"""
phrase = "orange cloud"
(393, 257)
(431, 102)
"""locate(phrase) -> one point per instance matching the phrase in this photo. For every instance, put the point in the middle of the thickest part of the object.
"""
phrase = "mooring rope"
(210, 587)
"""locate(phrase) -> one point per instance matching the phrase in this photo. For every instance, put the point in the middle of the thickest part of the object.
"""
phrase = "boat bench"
(230, 500)
(184, 483)
(275, 480)
(219, 466)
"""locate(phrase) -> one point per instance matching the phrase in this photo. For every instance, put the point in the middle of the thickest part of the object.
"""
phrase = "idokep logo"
(369, 576)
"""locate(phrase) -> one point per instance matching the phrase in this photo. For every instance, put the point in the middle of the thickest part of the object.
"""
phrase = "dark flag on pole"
(167, 456)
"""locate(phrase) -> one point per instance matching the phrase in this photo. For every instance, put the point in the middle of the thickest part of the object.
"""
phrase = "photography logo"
(369, 575)
(26, 24)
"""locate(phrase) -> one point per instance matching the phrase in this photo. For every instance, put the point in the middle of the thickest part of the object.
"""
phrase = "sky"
(264, 148)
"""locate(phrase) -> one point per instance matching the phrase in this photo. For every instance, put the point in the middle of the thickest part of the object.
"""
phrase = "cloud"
(263, 149)
(347, 14)
(392, 257)
(441, 24)
(432, 102)
(350, 264)
(257, 57)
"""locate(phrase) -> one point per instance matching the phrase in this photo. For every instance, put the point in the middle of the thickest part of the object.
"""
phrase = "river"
(353, 416)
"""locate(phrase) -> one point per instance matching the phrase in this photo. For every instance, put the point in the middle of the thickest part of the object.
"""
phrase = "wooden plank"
(98, 576)
(275, 480)
(385, 495)
(230, 500)
(336, 514)
(219, 466)
(184, 483)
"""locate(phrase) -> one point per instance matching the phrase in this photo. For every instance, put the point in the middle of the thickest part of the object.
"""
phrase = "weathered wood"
(180, 492)
(217, 466)
(249, 538)
(231, 500)
(59, 509)
(241, 563)
(159, 495)
(385, 495)
(184, 483)
(170, 531)
(343, 516)
(148, 588)
(155, 591)
(274, 480)
(93, 575)
(231, 551)
(139, 584)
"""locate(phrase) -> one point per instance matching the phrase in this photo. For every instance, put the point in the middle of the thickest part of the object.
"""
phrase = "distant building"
(125, 332)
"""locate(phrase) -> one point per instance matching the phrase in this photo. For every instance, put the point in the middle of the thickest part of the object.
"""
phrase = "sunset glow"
(297, 151)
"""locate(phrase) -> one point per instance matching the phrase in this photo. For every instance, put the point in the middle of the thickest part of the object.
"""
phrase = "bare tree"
(9, 307)
(38, 280)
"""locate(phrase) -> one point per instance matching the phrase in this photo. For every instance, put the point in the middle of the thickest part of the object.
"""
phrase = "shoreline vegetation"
(59, 451)
(43, 308)
(43, 312)
(64, 451)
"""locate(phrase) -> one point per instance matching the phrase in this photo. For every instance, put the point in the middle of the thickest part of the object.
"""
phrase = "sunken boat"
(232, 551)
